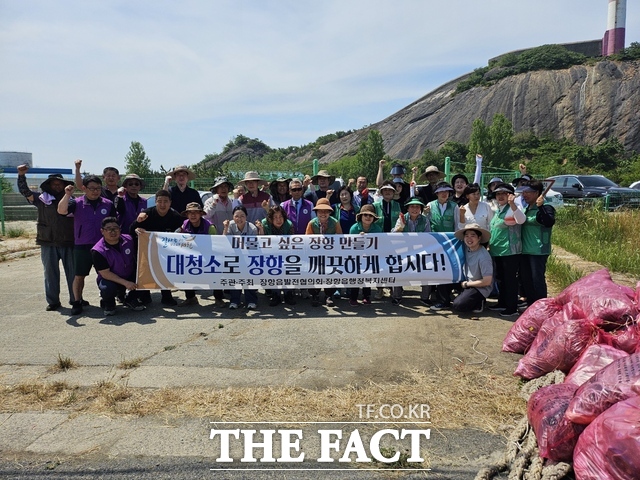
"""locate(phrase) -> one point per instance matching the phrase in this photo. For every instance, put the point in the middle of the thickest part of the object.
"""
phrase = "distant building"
(9, 162)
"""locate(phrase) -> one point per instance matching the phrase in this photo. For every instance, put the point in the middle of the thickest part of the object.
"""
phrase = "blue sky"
(82, 79)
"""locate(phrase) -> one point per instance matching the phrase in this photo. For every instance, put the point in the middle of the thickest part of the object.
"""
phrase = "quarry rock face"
(585, 103)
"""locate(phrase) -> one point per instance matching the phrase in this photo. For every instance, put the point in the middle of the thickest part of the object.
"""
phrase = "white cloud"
(114, 70)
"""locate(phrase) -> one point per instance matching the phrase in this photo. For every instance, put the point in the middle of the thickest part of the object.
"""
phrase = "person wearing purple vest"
(299, 210)
(195, 224)
(130, 203)
(88, 212)
(114, 259)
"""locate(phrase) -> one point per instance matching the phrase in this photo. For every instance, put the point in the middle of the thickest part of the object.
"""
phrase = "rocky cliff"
(585, 103)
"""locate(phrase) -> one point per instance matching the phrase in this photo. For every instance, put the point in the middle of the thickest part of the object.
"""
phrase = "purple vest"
(87, 221)
(203, 229)
(123, 262)
(130, 211)
(301, 221)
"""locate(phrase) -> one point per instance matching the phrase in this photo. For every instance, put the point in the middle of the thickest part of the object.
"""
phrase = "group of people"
(506, 237)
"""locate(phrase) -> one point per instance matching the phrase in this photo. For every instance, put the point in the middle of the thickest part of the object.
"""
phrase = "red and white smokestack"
(613, 40)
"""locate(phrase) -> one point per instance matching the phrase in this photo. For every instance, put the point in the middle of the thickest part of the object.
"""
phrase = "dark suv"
(596, 186)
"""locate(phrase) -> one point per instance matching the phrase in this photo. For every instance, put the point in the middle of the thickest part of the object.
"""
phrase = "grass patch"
(560, 274)
(460, 397)
(16, 232)
(607, 238)
(63, 364)
(129, 364)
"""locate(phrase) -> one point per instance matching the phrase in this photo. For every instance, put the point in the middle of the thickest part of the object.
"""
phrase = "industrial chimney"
(613, 40)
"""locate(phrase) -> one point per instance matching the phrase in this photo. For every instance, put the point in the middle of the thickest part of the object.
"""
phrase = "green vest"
(505, 239)
(421, 223)
(443, 222)
(536, 238)
(395, 213)
(331, 228)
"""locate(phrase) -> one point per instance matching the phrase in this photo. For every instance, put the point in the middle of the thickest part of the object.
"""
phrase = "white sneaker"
(252, 306)
(233, 306)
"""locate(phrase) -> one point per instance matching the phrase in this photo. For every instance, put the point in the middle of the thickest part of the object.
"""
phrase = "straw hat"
(431, 169)
(323, 204)
(367, 209)
(325, 174)
(252, 175)
(182, 168)
(485, 235)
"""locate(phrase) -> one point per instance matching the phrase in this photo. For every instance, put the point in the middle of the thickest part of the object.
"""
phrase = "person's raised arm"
(78, 177)
(477, 177)
(380, 176)
(63, 205)
(23, 188)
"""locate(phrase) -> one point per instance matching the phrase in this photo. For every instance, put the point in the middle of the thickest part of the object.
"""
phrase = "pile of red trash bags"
(591, 332)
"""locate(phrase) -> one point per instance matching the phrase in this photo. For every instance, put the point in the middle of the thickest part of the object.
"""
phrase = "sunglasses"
(367, 215)
(94, 189)
(295, 189)
(133, 184)
(112, 229)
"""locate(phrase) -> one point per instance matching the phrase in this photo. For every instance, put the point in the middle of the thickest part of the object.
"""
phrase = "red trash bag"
(603, 301)
(556, 435)
(617, 381)
(592, 360)
(609, 448)
(558, 345)
(625, 338)
(527, 326)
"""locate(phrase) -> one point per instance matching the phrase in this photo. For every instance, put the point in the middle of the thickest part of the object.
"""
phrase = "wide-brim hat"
(397, 180)
(523, 178)
(414, 201)
(252, 176)
(443, 187)
(325, 174)
(193, 207)
(504, 187)
(132, 176)
(323, 204)
(457, 176)
(182, 168)
(431, 169)
(279, 180)
(55, 176)
(367, 209)
(221, 181)
(484, 237)
(495, 180)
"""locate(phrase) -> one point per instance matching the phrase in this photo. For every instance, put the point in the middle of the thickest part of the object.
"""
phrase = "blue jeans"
(51, 257)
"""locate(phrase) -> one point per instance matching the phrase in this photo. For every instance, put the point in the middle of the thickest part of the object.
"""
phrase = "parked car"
(595, 187)
(635, 185)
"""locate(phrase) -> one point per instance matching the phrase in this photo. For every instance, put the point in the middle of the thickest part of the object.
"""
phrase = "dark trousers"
(328, 292)
(533, 269)
(507, 277)
(469, 300)
(110, 290)
(353, 293)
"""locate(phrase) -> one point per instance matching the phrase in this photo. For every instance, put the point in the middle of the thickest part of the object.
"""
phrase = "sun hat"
(325, 174)
(387, 186)
(443, 187)
(323, 204)
(252, 175)
(485, 235)
(279, 180)
(431, 169)
(54, 176)
(457, 176)
(414, 201)
(504, 187)
(182, 168)
(193, 207)
(221, 181)
(132, 176)
(397, 180)
(523, 178)
(367, 209)
(398, 169)
(495, 180)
